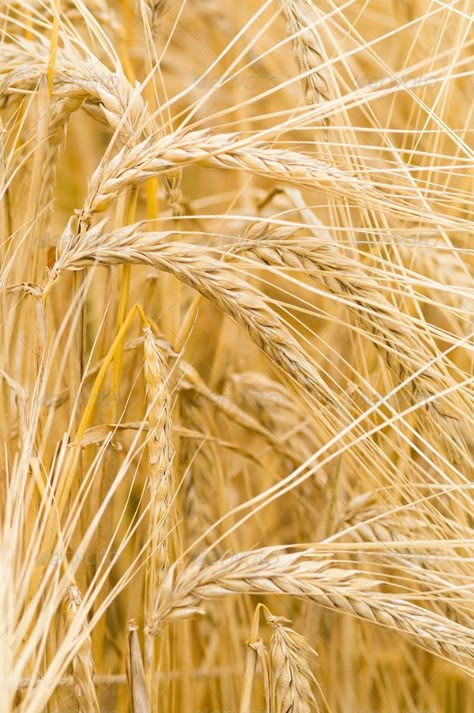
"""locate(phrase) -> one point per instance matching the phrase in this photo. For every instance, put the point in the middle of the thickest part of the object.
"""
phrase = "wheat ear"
(82, 663)
(137, 162)
(160, 468)
(403, 349)
(213, 279)
(135, 672)
(305, 575)
(160, 453)
(300, 19)
(291, 675)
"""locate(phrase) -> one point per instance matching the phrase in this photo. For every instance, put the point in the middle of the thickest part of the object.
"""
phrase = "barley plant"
(236, 365)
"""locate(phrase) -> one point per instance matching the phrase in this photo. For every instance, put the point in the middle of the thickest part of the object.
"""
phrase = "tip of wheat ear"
(135, 672)
(82, 663)
(291, 675)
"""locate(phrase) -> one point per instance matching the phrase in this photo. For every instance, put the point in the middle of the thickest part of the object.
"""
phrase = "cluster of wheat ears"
(236, 364)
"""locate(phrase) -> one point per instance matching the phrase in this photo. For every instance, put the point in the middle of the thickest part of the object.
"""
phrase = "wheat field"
(236, 372)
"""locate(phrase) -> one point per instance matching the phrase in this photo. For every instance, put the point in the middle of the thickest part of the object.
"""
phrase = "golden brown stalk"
(82, 663)
(263, 656)
(250, 664)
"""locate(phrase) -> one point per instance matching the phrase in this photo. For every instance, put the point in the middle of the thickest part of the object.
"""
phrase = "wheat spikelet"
(172, 183)
(366, 521)
(156, 9)
(160, 485)
(373, 524)
(199, 509)
(291, 674)
(82, 663)
(240, 416)
(274, 407)
(135, 163)
(83, 78)
(101, 10)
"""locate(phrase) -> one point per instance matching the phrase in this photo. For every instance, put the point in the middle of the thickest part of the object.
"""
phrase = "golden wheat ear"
(139, 702)
(291, 676)
(82, 664)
